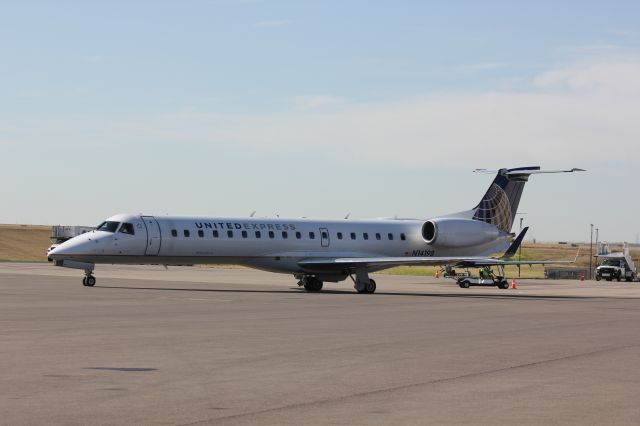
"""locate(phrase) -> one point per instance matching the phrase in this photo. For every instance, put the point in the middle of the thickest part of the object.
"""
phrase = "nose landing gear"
(89, 280)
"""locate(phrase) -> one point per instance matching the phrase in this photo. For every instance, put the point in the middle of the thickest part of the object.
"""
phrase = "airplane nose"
(74, 247)
(61, 252)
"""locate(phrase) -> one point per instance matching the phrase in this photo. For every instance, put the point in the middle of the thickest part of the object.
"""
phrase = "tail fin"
(500, 203)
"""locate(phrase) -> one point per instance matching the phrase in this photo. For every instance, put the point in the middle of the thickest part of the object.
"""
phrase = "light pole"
(590, 250)
(597, 247)
(520, 249)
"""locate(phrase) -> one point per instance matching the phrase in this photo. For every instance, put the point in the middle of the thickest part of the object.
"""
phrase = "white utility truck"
(616, 266)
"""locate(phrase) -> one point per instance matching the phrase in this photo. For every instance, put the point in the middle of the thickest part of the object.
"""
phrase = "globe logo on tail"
(495, 208)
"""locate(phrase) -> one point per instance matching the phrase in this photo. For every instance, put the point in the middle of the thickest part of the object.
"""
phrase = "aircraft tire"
(89, 281)
(371, 287)
(313, 285)
(361, 290)
(84, 281)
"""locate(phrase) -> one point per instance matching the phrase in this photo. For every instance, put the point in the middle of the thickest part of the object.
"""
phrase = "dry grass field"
(30, 242)
(26, 243)
(540, 251)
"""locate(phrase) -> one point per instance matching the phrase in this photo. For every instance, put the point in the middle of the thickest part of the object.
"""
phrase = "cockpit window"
(127, 228)
(108, 226)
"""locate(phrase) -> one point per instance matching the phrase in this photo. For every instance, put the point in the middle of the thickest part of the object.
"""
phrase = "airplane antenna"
(252, 213)
(347, 216)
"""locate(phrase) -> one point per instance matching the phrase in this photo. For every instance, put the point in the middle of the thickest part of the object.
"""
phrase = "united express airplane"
(313, 251)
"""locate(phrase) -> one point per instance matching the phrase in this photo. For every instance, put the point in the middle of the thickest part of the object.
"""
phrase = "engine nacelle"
(458, 232)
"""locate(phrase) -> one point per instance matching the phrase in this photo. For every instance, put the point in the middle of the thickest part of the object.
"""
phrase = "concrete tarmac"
(236, 347)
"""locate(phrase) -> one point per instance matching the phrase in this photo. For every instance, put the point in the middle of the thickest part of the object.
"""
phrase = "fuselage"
(274, 244)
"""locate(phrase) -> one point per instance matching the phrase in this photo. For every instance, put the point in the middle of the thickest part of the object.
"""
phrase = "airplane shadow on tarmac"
(294, 290)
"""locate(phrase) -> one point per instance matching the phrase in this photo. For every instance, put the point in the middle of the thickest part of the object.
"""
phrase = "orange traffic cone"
(513, 284)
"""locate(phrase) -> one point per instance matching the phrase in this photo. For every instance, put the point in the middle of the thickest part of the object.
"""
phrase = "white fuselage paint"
(162, 240)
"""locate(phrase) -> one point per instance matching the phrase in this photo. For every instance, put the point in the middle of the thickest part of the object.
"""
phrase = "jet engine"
(458, 232)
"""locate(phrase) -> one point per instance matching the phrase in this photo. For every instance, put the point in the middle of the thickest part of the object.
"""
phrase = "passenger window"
(312, 235)
(298, 235)
(403, 237)
(174, 233)
(271, 234)
(186, 233)
(230, 234)
(339, 235)
(284, 235)
(378, 237)
(200, 233)
(365, 236)
(215, 234)
(390, 235)
(258, 235)
(127, 228)
(244, 234)
(353, 235)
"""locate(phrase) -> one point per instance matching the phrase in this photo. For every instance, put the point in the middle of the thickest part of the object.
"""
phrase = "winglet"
(513, 248)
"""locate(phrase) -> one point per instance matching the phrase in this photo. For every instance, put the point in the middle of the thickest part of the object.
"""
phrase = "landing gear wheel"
(89, 281)
(84, 281)
(313, 285)
(370, 287)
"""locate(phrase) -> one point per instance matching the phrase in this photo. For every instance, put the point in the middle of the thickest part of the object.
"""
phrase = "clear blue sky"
(319, 109)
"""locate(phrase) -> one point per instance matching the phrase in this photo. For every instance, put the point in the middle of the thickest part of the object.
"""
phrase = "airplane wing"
(468, 262)
(364, 262)
(456, 261)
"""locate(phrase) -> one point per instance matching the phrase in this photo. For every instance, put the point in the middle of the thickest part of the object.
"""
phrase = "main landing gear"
(311, 284)
(362, 283)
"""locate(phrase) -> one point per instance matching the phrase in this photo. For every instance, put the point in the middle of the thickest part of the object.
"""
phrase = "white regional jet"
(314, 251)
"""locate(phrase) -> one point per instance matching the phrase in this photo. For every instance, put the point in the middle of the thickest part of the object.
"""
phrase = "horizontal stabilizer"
(529, 171)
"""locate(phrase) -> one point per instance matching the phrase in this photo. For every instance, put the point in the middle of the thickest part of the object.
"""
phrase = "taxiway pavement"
(236, 346)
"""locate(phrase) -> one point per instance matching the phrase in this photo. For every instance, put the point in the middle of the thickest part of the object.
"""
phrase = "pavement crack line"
(409, 386)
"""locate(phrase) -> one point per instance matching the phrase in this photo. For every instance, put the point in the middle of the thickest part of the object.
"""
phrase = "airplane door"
(324, 237)
(153, 235)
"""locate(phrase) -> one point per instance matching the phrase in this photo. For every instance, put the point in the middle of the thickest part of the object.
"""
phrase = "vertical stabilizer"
(500, 203)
